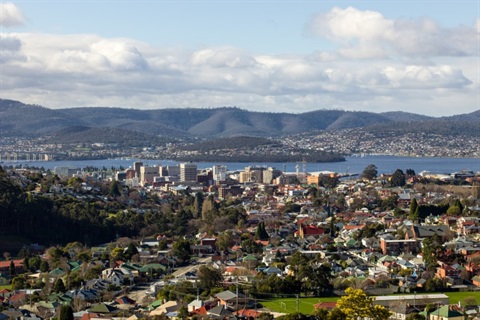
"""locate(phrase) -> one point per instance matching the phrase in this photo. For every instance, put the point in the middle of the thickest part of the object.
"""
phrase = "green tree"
(182, 312)
(44, 266)
(117, 254)
(26, 266)
(208, 207)
(293, 316)
(454, 211)
(398, 178)
(298, 261)
(224, 240)
(209, 277)
(66, 313)
(415, 316)
(197, 205)
(265, 316)
(316, 279)
(182, 250)
(130, 251)
(459, 204)
(250, 246)
(162, 244)
(337, 314)
(75, 183)
(59, 286)
(434, 285)
(432, 250)
(114, 189)
(356, 304)
(19, 282)
(370, 172)
(261, 233)
(329, 182)
(320, 314)
(413, 213)
(34, 263)
(410, 172)
(12, 269)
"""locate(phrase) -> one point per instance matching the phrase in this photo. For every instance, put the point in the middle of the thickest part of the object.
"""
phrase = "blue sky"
(285, 56)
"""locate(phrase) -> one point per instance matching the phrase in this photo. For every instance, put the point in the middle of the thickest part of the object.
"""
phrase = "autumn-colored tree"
(356, 304)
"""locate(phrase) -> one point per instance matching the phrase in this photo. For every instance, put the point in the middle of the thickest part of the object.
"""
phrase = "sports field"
(289, 305)
(305, 305)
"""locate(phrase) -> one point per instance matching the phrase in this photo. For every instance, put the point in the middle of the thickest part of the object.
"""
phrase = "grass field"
(289, 305)
(9, 287)
(305, 305)
(455, 297)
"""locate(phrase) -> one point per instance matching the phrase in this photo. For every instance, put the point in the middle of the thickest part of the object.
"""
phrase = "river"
(352, 165)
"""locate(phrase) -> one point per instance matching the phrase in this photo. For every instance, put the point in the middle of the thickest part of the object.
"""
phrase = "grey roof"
(226, 295)
(428, 231)
(219, 311)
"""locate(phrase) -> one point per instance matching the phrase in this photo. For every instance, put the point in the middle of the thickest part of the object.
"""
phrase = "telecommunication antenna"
(304, 163)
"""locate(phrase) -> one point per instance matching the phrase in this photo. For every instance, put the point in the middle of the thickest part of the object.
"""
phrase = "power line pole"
(296, 303)
(236, 308)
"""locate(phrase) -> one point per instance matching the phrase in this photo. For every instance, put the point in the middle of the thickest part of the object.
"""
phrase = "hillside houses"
(300, 239)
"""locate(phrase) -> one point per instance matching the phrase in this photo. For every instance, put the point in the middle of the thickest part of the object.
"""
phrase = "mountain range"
(19, 119)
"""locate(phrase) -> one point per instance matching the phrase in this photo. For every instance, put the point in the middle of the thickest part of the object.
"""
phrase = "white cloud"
(10, 15)
(9, 47)
(365, 34)
(409, 72)
(418, 77)
(350, 23)
(222, 57)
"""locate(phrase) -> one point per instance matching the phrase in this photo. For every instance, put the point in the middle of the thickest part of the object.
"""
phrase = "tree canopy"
(356, 304)
(370, 172)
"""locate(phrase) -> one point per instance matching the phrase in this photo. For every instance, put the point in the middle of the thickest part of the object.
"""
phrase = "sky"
(270, 56)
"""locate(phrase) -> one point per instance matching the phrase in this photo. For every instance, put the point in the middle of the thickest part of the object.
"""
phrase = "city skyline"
(274, 56)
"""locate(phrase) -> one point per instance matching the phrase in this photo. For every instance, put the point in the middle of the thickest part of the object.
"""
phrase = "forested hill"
(42, 208)
(34, 218)
(17, 118)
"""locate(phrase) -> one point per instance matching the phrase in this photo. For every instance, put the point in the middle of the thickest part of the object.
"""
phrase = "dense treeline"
(74, 214)
(262, 150)
(442, 127)
(48, 220)
(230, 143)
(21, 119)
(119, 137)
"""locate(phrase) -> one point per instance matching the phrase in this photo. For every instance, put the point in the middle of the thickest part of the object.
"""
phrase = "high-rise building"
(188, 172)
(130, 173)
(173, 171)
(136, 167)
(219, 172)
(148, 173)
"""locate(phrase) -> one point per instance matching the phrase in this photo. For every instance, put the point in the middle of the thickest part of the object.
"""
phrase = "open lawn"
(305, 305)
(9, 287)
(455, 297)
(289, 305)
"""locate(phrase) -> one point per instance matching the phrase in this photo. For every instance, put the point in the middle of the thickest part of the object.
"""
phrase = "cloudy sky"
(275, 56)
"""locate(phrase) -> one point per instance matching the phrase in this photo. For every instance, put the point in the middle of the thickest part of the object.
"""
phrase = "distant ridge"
(19, 119)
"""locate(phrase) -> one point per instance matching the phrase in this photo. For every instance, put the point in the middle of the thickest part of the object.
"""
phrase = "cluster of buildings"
(411, 144)
(392, 254)
(188, 173)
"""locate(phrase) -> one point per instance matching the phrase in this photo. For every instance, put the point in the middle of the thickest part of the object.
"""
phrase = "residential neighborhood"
(179, 242)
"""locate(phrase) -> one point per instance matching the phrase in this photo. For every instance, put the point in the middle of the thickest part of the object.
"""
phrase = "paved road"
(139, 292)
(183, 270)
